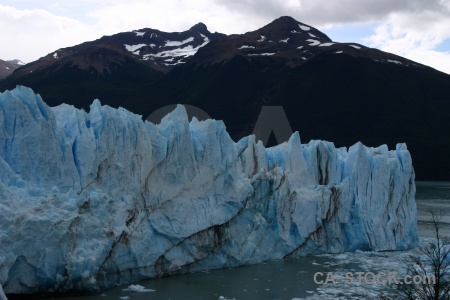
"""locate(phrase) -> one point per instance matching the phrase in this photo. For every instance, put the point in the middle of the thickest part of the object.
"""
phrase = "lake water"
(433, 195)
(291, 279)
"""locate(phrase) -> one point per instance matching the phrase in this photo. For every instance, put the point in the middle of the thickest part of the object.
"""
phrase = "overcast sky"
(416, 29)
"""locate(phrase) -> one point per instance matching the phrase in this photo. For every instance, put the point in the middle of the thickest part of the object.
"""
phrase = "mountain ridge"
(142, 45)
(292, 40)
(7, 67)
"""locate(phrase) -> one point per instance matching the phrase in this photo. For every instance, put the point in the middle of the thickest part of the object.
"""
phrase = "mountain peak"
(285, 25)
(7, 67)
(284, 37)
(16, 62)
(289, 40)
(285, 20)
(200, 27)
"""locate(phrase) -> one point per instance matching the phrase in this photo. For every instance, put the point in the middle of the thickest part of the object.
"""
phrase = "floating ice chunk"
(341, 256)
(138, 289)
(332, 291)
(284, 41)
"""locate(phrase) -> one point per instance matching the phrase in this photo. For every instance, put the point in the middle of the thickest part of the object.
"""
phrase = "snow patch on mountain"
(313, 42)
(205, 40)
(16, 62)
(246, 47)
(394, 61)
(178, 43)
(139, 33)
(326, 44)
(185, 51)
(304, 27)
(262, 54)
(133, 48)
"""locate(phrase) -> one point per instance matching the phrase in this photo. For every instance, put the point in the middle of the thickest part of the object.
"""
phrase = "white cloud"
(174, 16)
(30, 34)
(416, 36)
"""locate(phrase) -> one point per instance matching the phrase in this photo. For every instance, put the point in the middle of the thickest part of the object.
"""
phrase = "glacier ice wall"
(92, 200)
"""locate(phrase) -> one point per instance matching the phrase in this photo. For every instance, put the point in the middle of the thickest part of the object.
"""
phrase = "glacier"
(92, 200)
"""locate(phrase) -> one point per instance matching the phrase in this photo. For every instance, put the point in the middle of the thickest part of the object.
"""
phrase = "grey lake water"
(294, 278)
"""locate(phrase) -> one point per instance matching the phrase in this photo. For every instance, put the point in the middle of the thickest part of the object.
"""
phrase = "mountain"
(94, 200)
(344, 92)
(290, 41)
(113, 67)
(7, 67)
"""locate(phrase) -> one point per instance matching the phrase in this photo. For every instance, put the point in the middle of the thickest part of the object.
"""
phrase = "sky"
(415, 29)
